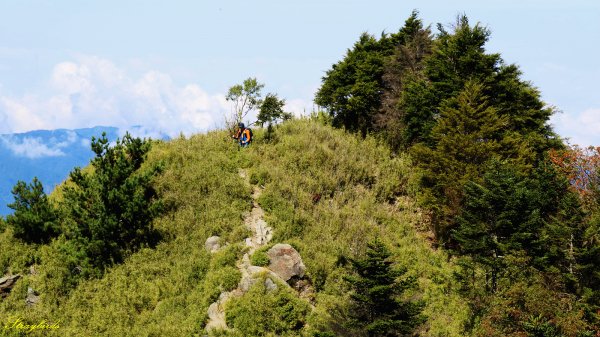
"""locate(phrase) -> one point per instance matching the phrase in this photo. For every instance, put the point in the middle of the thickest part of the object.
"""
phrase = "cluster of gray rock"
(285, 268)
(285, 264)
(8, 282)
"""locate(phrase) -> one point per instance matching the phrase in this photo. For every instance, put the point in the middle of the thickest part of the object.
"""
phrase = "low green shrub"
(216, 281)
(260, 177)
(226, 257)
(260, 257)
(261, 312)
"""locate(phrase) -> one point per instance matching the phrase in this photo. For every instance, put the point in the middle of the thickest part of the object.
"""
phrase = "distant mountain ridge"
(47, 154)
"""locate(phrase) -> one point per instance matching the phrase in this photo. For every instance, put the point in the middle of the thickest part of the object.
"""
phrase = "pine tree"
(110, 209)
(459, 57)
(34, 219)
(375, 307)
(496, 214)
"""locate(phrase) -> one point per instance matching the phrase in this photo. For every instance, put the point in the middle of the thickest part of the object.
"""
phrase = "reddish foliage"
(581, 166)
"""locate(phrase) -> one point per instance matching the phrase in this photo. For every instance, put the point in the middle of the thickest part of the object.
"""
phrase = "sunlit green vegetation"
(166, 289)
(433, 167)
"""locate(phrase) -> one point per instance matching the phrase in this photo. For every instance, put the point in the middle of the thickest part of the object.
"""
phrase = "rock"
(212, 244)
(32, 297)
(246, 283)
(6, 284)
(216, 313)
(216, 317)
(285, 261)
(253, 275)
(264, 233)
(270, 285)
(249, 278)
(253, 270)
(213, 310)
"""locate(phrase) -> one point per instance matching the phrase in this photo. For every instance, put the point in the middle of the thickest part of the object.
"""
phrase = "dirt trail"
(261, 235)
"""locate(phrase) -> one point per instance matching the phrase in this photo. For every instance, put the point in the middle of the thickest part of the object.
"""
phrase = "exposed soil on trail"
(261, 235)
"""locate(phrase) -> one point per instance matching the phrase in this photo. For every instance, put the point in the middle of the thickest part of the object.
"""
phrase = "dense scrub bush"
(260, 312)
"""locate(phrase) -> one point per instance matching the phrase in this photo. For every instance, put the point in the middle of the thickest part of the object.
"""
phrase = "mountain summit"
(322, 195)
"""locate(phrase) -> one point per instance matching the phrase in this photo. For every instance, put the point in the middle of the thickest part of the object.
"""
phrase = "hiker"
(243, 135)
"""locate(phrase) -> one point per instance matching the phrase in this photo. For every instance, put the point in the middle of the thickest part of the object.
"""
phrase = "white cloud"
(93, 91)
(30, 147)
(70, 78)
(20, 115)
(71, 137)
(298, 107)
(37, 147)
(582, 129)
(84, 142)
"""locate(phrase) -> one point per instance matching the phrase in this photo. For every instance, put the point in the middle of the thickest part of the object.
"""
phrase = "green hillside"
(428, 196)
(325, 192)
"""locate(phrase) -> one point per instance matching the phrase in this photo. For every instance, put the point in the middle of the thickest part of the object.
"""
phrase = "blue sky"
(166, 65)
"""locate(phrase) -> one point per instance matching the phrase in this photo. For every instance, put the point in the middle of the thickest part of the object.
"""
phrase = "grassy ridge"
(161, 291)
(362, 193)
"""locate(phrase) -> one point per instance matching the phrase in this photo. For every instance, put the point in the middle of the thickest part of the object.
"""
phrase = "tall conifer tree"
(468, 133)
(375, 308)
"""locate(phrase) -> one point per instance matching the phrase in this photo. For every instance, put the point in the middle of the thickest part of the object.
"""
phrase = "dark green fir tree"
(376, 308)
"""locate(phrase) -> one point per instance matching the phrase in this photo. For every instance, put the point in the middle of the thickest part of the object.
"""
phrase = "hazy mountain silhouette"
(47, 154)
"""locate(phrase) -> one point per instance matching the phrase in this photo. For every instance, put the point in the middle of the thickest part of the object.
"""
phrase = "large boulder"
(285, 262)
(6, 284)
